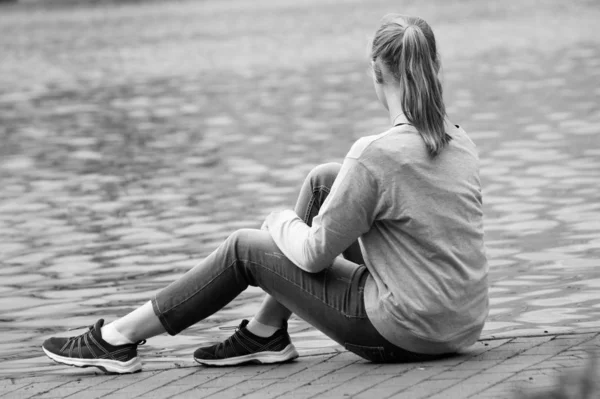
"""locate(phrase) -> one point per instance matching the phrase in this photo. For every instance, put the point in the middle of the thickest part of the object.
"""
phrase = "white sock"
(260, 329)
(114, 337)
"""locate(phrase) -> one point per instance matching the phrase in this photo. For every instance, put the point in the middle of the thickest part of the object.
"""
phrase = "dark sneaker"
(90, 350)
(245, 347)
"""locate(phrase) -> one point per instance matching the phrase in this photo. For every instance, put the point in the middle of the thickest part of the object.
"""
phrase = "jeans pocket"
(374, 354)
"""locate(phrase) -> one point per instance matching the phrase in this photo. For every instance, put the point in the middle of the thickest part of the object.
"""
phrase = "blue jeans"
(331, 300)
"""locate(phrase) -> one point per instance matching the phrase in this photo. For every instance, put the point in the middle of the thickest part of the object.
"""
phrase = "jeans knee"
(244, 243)
(243, 249)
(324, 174)
(239, 237)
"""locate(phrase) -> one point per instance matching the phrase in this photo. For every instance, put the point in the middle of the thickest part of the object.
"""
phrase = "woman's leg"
(270, 314)
(251, 257)
(136, 326)
(143, 324)
(332, 300)
(313, 194)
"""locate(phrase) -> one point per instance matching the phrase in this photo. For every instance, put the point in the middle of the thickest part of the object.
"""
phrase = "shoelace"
(222, 346)
(71, 339)
(90, 328)
(75, 342)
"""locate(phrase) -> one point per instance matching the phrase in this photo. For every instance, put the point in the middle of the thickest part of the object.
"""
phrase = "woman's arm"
(348, 212)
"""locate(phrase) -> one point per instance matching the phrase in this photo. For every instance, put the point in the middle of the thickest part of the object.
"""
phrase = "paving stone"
(377, 392)
(472, 385)
(274, 390)
(197, 379)
(73, 387)
(244, 388)
(9, 385)
(312, 374)
(31, 390)
(198, 393)
(358, 384)
(521, 362)
(12, 389)
(535, 375)
(573, 340)
(531, 341)
(479, 365)
(311, 391)
(548, 349)
(425, 390)
(285, 370)
(334, 377)
(124, 380)
(396, 369)
(455, 374)
(59, 393)
(495, 355)
(225, 381)
(502, 390)
(555, 364)
(410, 378)
(142, 386)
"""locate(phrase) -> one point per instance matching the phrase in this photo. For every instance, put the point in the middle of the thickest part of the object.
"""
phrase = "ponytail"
(406, 46)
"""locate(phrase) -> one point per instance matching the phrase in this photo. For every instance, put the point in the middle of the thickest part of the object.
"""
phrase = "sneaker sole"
(108, 366)
(285, 355)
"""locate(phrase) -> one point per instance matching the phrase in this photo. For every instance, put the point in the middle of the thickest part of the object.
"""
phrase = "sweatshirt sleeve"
(348, 212)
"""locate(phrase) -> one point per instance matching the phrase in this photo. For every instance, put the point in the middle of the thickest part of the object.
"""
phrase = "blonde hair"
(406, 47)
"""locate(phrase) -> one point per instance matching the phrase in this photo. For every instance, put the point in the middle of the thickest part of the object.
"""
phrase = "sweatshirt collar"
(400, 119)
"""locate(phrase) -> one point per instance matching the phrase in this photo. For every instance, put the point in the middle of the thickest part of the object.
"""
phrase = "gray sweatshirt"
(419, 224)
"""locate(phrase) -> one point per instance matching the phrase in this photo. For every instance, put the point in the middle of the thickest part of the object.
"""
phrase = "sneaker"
(245, 347)
(90, 350)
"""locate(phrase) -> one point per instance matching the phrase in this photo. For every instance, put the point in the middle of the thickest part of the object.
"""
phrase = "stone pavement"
(492, 369)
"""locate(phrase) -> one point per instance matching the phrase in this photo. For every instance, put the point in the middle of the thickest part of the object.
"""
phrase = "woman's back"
(425, 250)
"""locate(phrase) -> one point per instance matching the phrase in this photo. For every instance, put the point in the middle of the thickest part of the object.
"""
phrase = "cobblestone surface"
(496, 368)
(131, 149)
